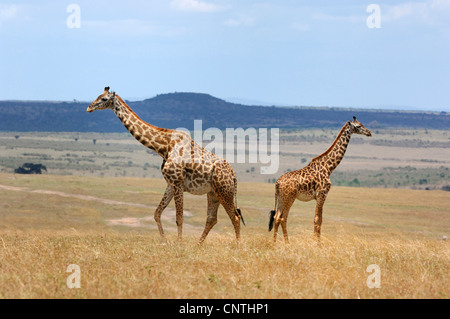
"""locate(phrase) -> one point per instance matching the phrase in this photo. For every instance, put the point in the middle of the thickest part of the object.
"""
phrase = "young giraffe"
(312, 181)
(186, 167)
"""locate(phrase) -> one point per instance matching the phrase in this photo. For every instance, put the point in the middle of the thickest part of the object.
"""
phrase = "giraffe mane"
(131, 111)
(332, 145)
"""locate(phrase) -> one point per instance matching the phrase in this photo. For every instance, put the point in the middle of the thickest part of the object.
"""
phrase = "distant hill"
(181, 109)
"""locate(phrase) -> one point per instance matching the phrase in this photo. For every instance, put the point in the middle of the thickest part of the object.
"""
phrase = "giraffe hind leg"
(275, 229)
(226, 199)
(276, 223)
(224, 187)
(281, 218)
(284, 227)
(211, 220)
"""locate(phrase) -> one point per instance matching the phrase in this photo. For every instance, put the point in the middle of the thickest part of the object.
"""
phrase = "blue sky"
(315, 53)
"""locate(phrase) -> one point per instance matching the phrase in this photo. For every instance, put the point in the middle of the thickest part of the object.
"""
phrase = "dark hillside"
(181, 109)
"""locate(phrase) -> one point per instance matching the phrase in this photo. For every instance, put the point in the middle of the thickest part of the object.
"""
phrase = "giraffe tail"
(238, 210)
(273, 212)
(272, 218)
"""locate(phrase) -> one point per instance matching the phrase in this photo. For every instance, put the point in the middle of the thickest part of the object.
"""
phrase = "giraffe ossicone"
(186, 167)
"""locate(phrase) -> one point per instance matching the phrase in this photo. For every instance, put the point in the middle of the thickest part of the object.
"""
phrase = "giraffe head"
(358, 128)
(104, 101)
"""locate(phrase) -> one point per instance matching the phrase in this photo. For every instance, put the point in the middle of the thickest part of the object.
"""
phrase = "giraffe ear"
(114, 93)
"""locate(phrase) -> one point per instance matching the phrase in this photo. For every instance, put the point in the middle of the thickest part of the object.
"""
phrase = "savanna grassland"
(105, 226)
(392, 158)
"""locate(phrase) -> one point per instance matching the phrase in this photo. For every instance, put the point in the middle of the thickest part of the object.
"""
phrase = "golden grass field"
(105, 226)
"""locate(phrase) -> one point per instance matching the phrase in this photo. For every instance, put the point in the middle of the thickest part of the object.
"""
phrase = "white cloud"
(131, 27)
(8, 12)
(240, 22)
(336, 18)
(300, 26)
(441, 4)
(406, 10)
(431, 12)
(195, 6)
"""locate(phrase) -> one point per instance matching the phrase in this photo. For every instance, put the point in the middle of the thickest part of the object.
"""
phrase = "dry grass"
(118, 265)
(41, 234)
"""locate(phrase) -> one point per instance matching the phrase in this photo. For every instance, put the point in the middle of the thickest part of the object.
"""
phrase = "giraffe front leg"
(168, 195)
(178, 196)
(317, 222)
(318, 217)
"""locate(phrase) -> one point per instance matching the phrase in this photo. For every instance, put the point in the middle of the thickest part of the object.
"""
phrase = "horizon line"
(250, 103)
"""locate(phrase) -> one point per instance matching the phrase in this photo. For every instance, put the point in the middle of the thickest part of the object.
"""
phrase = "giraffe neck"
(331, 158)
(155, 138)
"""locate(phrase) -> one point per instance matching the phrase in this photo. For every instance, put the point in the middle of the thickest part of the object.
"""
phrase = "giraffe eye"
(104, 99)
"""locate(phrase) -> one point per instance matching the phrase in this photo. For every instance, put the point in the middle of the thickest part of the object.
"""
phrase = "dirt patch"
(168, 215)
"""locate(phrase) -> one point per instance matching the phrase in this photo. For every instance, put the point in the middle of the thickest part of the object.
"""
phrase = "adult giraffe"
(312, 181)
(186, 167)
